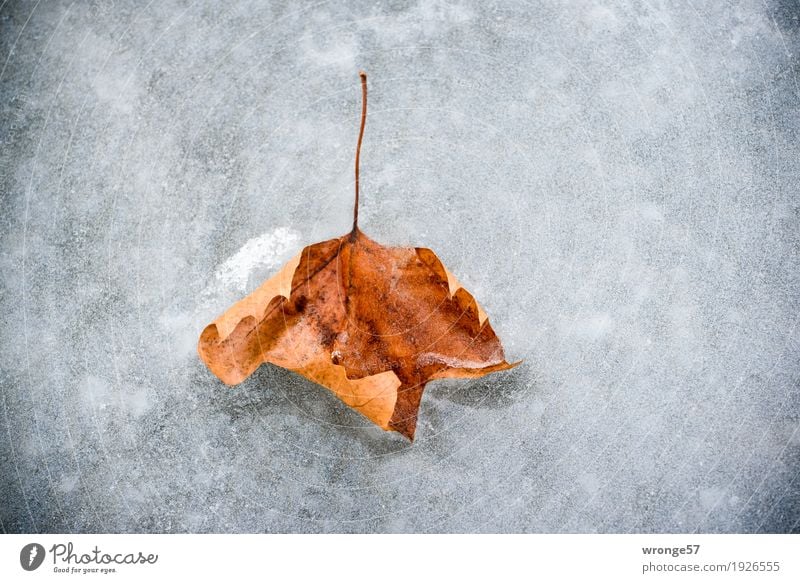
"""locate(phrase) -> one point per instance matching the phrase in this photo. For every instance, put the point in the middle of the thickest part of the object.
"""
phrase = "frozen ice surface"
(616, 182)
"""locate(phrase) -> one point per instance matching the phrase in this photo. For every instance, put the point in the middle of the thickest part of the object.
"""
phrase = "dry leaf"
(371, 323)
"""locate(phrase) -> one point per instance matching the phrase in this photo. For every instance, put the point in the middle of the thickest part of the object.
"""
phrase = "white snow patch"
(246, 268)
(265, 251)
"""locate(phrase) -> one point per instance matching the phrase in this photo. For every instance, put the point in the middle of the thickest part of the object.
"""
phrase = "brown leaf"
(371, 323)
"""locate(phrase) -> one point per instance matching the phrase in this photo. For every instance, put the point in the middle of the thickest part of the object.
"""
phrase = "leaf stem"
(363, 76)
